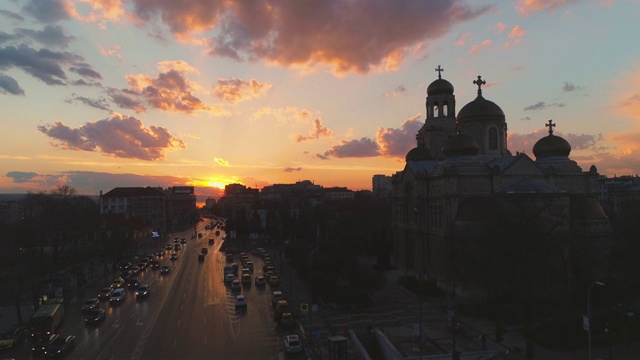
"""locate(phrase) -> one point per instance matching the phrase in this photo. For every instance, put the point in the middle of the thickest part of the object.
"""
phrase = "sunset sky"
(107, 93)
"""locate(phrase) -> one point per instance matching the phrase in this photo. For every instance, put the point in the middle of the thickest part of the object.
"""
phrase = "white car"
(118, 296)
(292, 344)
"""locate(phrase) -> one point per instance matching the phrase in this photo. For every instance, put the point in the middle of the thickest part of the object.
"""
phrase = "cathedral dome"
(480, 108)
(460, 144)
(440, 87)
(551, 145)
(419, 153)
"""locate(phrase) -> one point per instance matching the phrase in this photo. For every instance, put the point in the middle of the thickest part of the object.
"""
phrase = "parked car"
(210, 241)
(200, 257)
(204, 251)
(10, 338)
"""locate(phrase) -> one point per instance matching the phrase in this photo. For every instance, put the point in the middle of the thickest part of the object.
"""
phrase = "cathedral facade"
(468, 215)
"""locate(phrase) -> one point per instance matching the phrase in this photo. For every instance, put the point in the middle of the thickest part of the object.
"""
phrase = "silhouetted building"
(461, 189)
(381, 186)
(146, 202)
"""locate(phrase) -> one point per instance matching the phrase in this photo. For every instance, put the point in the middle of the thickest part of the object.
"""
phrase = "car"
(241, 302)
(135, 269)
(117, 283)
(274, 281)
(168, 247)
(277, 296)
(118, 296)
(211, 241)
(204, 251)
(39, 342)
(105, 293)
(229, 257)
(10, 338)
(133, 283)
(286, 319)
(236, 285)
(246, 279)
(246, 271)
(90, 304)
(143, 291)
(228, 278)
(260, 281)
(249, 265)
(176, 247)
(143, 265)
(155, 264)
(200, 257)
(176, 240)
(165, 269)
(59, 345)
(183, 241)
(292, 344)
(94, 316)
(173, 257)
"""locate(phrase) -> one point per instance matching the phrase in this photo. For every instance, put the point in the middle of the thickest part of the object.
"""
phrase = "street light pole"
(589, 311)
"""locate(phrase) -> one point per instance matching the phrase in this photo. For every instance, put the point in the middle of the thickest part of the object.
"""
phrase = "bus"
(47, 318)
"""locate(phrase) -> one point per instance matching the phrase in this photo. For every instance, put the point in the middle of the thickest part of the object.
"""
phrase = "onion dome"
(440, 86)
(459, 145)
(480, 108)
(419, 153)
(551, 145)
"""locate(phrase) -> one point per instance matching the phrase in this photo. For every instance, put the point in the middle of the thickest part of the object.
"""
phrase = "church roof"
(480, 109)
(440, 86)
(422, 167)
(551, 145)
(459, 145)
(529, 186)
(419, 153)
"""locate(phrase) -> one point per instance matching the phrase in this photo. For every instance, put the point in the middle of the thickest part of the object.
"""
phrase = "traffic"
(183, 299)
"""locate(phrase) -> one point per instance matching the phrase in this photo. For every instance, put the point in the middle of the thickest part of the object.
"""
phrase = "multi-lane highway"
(190, 314)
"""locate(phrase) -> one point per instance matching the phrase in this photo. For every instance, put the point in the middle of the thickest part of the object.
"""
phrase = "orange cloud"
(478, 48)
(318, 131)
(170, 90)
(284, 115)
(500, 28)
(462, 39)
(235, 90)
(526, 7)
(102, 11)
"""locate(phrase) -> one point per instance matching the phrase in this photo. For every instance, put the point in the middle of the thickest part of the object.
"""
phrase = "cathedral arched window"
(445, 109)
(435, 110)
(493, 139)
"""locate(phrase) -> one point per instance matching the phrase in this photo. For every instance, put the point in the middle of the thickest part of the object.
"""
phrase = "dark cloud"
(542, 105)
(96, 103)
(43, 64)
(12, 15)
(46, 10)
(398, 142)
(120, 136)
(336, 33)
(525, 142)
(568, 87)
(290, 169)
(21, 176)
(50, 36)
(398, 91)
(364, 147)
(86, 72)
(127, 99)
(9, 85)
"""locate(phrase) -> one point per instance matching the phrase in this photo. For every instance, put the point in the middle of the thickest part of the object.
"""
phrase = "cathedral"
(469, 215)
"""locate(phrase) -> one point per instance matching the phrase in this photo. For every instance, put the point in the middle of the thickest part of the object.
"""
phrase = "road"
(189, 314)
